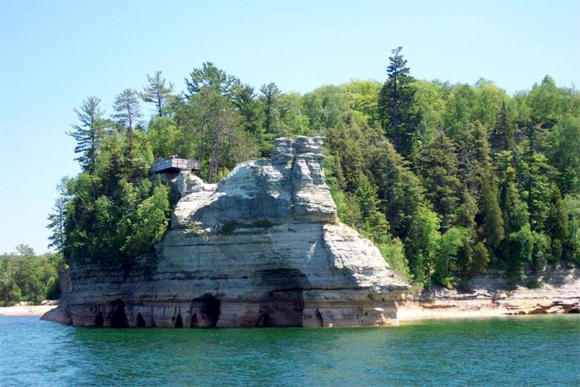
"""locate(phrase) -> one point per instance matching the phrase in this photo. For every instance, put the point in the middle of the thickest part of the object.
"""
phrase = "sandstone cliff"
(261, 248)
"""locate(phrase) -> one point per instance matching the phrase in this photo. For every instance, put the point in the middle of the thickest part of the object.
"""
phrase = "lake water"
(518, 351)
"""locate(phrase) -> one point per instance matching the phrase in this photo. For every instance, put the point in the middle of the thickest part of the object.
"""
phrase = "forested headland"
(448, 180)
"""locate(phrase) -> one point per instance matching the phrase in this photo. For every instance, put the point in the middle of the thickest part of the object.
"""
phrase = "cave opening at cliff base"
(118, 315)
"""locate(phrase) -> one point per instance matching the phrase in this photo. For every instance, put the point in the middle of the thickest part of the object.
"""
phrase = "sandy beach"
(28, 310)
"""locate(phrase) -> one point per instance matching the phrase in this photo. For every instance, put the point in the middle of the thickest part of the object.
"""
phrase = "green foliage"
(262, 223)
(89, 133)
(429, 106)
(521, 244)
(422, 242)
(146, 226)
(393, 250)
(492, 230)
(270, 96)
(480, 259)
(534, 284)
(448, 246)
(25, 276)
(157, 92)
(195, 229)
(564, 153)
(396, 105)
(128, 111)
(209, 77)
(502, 137)
(447, 180)
(363, 99)
(229, 227)
(326, 107)
(572, 248)
(437, 164)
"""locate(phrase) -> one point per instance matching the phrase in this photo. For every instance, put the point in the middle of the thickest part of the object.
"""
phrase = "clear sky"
(53, 54)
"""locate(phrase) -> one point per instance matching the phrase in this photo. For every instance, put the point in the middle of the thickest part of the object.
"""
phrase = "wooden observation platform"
(175, 165)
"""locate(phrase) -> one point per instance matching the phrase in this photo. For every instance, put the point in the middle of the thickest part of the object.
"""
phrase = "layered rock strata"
(261, 248)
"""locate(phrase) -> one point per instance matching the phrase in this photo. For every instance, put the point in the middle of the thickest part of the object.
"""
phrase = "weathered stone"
(261, 248)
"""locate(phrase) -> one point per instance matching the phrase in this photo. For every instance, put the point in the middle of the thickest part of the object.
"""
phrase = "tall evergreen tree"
(89, 133)
(437, 164)
(157, 92)
(374, 223)
(490, 215)
(557, 225)
(399, 188)
(57, 224)
(209, 76)
(128, 111)
(395, 105)
(271, 93)
(502, 137)
(249, 108)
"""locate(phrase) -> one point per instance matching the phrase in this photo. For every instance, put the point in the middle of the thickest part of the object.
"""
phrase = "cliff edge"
(261, 248)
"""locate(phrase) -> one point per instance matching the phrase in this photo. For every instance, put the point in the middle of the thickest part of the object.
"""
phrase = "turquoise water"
(518, 351)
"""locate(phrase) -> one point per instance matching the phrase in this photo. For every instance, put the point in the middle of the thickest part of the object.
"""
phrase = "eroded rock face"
(261, 248)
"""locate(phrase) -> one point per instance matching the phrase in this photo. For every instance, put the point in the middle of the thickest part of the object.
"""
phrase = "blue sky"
(53, 54)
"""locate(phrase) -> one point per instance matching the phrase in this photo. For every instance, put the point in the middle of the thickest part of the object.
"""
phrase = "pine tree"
(502, 137)
(492, 231)
(88, 134)
(480, 259)
(157, 92)
(209, 76)
(375, 224)
(399, 188)
(395, 105)
(248, 106)
(557, 224)
(128, 110)
(437, 164)
(57, 224)
(271, 94)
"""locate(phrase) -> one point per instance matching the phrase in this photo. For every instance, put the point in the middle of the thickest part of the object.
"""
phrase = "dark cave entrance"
(319, 319)
(283, 302)
(206, 311)
(119, 317)
(99, 320)
(282, 308)
(141, 321)
(178, 322)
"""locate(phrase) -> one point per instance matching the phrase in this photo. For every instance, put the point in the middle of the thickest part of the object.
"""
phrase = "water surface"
(530, 351)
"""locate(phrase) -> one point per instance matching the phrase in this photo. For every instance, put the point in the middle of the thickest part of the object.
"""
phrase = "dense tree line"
(24, 276)
(448, 180)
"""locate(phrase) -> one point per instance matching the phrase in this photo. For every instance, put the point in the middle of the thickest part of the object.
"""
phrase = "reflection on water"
(538, 350)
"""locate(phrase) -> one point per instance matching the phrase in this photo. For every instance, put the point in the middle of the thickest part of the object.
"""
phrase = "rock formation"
(261, 248)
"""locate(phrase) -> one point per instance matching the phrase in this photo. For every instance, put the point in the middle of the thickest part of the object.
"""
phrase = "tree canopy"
(448, 180)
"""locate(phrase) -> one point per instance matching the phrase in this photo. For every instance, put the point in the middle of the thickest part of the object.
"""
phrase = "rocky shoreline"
(489, 296)
(558, 292)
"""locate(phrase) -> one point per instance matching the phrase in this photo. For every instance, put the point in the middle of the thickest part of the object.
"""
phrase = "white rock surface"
(261, 248)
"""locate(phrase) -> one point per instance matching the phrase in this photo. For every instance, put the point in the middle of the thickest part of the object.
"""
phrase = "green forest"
(448, 180)
(25, 276)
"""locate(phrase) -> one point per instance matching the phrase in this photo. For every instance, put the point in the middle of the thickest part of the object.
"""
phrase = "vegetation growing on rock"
(448, 180)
